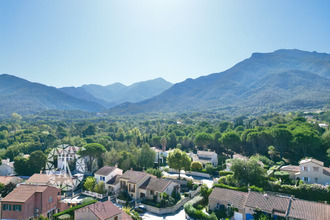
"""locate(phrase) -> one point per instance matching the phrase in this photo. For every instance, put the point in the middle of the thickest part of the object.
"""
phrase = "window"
(151, 192)
(316, 169)
(50, 198)
(116, 218)
(100, 177)
(306, 179)
(6, 207)
(306, 169)
(103, 178)
(17, 208)
(316, 179)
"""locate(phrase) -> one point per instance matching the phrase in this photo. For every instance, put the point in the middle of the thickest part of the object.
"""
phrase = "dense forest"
(287, 137)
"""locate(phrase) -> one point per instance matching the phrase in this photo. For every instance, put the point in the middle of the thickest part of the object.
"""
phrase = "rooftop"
(6, 179)
(23, 192)
(291, 168)
(307, 160)
(114, 180)
(106, 170)
(205, 153)
(133, 176)
(39, 178)
(104, 210)
(156, 184)
(236, 198)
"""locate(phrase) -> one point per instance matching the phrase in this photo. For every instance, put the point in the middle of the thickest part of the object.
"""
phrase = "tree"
(271, 152)
(247, 172)
(155, 172)
(100, 188)
(37, 161)
(203, 139)
(231, 141)
(92, 151)
(147, 157)
(196, 166)
(90, 183)
(178, 160)
(282, 139)
(305, 142)
(22, 166)
(7, 189)
(163, 142)
(90, 130)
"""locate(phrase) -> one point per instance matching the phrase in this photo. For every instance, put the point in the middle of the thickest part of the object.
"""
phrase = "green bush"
(196, 166)
(284, 176)
(197, 214)
(156, 172)
(225, 173)
(70, 211)
(220, 185)
(257, 189)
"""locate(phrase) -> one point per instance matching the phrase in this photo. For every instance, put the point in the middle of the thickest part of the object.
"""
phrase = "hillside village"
(201, 179)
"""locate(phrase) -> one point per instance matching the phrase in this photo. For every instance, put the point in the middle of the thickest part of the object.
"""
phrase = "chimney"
(132, 168)
(116, 165)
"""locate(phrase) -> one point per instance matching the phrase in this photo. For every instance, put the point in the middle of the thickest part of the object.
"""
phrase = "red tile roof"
(104, 210)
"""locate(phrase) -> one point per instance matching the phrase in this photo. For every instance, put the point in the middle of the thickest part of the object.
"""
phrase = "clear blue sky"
(75, 42)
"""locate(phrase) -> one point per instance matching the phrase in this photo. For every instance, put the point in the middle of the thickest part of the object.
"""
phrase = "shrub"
(156, 172)
(210, 169)
(70, 211)
(90, 183)
(257, 189)
(220, 185)
(197, 214)
(284, 176)
(190, 184)
(196, 166)
(225, 173)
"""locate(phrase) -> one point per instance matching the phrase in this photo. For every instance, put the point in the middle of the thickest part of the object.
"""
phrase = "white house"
(66, 153)
(7, 168)
(313, 171)
(205, 157)
(108, 175)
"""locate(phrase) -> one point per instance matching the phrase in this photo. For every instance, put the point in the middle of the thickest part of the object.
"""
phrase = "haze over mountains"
(118, 93)
(280, 81)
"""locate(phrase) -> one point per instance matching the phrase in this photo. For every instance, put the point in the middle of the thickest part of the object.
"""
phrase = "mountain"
(118, 93)
(278, 81)
(24, 97)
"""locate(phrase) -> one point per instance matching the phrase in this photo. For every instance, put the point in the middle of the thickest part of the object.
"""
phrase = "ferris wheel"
(57, 167)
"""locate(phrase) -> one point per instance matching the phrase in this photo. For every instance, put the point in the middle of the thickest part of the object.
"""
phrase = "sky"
(74, 42)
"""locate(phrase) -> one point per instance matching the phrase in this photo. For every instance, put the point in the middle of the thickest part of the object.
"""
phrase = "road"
(207, 181)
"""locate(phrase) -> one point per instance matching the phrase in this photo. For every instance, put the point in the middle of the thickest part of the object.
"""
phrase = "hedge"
(197, 214)
(225, 173)
(221, 185)
(70, 211)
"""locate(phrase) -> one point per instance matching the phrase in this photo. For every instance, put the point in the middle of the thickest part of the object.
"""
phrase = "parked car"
(140, 209)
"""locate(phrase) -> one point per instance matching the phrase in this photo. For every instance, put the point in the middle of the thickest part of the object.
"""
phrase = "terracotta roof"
(268, 202)
(156, 184)
(23, 192)
(302, 209)
(104, 210)
(312, 160)
(114, 180)
(326, 171)
(125, 216)
(227, 196)
(290, 168)
(106, 170)
(133, 176)
(5, 179)
(39, 178)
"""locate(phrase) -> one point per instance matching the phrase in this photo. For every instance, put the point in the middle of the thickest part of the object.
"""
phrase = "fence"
(94, 194)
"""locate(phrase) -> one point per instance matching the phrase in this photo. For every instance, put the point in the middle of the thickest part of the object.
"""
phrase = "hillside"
(24, 97)
(279, 81)
(118, 93)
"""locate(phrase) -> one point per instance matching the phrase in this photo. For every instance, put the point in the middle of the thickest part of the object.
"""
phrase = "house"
(160, 155)
(31, 201)
(131, 181)
(113, 185)
(156, 187)
(239, 157)
(10, 179)
(101, 211)
(7, 167)
(205, 157)
(313, 171)
(106, 173)
(39, 179)
(245, 204)
(291, 169)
